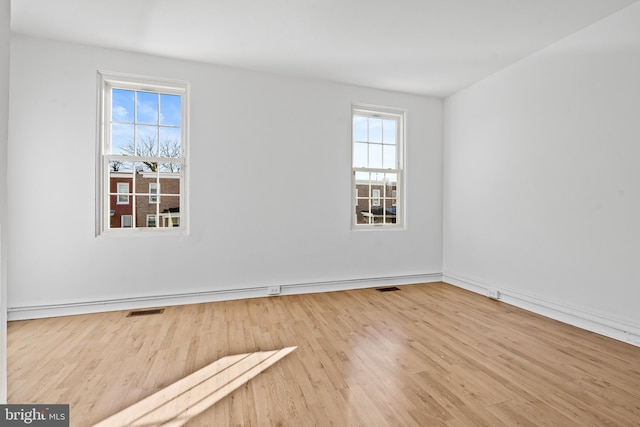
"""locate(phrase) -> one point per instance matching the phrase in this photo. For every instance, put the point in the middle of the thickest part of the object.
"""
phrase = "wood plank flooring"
(427, 355)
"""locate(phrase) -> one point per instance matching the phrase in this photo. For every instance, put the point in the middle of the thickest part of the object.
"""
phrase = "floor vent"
(388, 289)
(145, 312)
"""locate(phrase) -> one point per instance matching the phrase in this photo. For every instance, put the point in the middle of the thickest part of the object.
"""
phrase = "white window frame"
(154, 193)
(106, 82)
(154, 218)
(375, 197)
(122, 221)
(397, 196)
(122, 193)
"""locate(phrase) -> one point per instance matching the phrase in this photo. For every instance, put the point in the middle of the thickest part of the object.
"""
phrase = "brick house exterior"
(118, 210)
(154, 206)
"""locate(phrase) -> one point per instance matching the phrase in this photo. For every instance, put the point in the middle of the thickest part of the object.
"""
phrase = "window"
(142, 154)
(377, 174)
(123, 193)
(376, 197)
(126, 221)
(153, 192)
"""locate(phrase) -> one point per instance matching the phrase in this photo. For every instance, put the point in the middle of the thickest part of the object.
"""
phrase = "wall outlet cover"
(273, 290)
(493, 293)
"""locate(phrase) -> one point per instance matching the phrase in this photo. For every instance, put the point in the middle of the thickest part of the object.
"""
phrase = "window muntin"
(377, 167)
(143, 143)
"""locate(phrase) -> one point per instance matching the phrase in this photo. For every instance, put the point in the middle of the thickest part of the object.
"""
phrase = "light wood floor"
(427, 355)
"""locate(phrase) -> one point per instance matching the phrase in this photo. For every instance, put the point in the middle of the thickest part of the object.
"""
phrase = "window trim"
(105, 81)
(399, 202)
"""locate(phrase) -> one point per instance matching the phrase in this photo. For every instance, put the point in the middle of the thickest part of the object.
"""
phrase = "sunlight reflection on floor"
(178, 403)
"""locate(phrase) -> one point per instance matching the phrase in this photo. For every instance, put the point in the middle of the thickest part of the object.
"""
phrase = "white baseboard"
(577, 316)
(134, 303)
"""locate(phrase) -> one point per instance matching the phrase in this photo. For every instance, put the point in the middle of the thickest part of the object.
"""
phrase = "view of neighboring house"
(376, 202)
(146, 199)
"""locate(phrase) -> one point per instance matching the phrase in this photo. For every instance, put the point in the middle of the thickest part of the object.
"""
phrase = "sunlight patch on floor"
(178, 403)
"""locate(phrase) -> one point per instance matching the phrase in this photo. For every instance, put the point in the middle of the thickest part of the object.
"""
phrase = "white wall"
(5, 18)
(542, 180)
(269, 191)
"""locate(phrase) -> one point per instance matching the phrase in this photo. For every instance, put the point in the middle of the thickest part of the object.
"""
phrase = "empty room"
(314, 213)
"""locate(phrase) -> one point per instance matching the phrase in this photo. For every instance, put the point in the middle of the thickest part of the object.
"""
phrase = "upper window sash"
(111, 119)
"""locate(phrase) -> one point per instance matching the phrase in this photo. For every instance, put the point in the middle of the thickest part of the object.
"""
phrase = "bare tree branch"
(148, 147)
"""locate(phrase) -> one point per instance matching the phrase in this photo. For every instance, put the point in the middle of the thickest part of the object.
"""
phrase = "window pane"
(169, 211)
(391, 179)
(375, 156)
(118, 166)
(143, 169)
(377, 176)
(120, 189)
(389, 131)
(389, 212)
(363, 215)
(359, 128)
(375, 129)
(170, 110)
(389, 156)
(144, 177)
(147, 108)
(170, 168)
(147, 141)
(360, 155)
(117, 211)
(122, 105)
(169, 181)
(391, 187)
(121, 139)
(362, 176)
(170, 142)
(144, 208)
(362, 192)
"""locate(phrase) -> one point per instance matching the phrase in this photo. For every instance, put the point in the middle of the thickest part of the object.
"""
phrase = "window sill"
(142, 232)
(380, 227)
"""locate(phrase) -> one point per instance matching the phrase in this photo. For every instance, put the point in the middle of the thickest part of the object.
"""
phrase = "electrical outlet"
(273, 290)
(493, 293)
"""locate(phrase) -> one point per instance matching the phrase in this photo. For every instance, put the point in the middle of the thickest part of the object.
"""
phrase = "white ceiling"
(429, 47)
